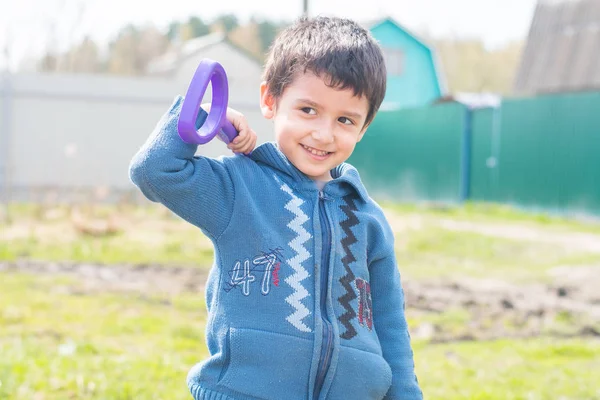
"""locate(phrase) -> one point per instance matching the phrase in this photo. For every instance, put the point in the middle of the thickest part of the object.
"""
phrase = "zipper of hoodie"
(327, 342)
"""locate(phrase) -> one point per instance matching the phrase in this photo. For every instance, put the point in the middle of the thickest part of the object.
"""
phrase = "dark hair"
(335, 49)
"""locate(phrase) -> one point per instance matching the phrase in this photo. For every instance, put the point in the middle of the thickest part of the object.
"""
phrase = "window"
(394, 61)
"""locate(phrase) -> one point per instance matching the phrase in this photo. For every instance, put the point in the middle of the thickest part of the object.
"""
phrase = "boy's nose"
(323, 134)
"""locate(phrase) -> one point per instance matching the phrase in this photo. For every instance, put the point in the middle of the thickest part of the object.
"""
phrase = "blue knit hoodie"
(304, 298)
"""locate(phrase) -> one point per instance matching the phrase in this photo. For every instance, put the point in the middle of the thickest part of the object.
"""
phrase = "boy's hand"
(245, 141)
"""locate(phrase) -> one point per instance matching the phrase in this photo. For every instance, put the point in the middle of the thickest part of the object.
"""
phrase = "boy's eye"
(346, 121)
(308, 110)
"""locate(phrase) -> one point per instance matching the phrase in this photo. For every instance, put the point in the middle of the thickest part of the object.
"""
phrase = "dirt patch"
(492, 309)
(94, 278)
(488, 309)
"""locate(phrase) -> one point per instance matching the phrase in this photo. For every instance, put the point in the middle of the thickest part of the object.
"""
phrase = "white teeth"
(315, 151)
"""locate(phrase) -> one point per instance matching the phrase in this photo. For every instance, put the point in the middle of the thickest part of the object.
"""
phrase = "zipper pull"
(322, 195)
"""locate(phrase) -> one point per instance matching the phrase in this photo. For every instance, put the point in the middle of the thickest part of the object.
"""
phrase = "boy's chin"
(317, 175)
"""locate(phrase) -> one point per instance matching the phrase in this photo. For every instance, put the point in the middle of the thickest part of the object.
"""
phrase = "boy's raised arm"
(198, 189)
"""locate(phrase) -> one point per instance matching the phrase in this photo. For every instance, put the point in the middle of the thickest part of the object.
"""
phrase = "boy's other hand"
(245, 141)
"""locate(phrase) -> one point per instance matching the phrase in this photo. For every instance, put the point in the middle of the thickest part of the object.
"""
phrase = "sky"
(27, 27)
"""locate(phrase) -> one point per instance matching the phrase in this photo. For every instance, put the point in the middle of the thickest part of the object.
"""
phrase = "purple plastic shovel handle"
(216, 123)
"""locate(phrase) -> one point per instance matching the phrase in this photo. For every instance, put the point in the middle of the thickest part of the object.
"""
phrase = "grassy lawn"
(534, 369)
(144, 235)
(152, 235)
(433, 252)
(57, 343)
(485, 212)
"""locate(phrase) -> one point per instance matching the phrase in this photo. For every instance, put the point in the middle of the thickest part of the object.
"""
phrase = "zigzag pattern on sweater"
(300, 273)
(346, 318)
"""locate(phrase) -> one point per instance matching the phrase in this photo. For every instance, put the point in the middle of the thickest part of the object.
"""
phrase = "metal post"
(495, 157)
(5, 136)
(467, 137)
(305, 8)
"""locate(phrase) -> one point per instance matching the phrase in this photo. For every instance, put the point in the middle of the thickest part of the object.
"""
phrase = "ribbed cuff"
(201, 393)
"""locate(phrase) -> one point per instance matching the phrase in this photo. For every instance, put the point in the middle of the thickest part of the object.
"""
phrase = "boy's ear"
(267, 101)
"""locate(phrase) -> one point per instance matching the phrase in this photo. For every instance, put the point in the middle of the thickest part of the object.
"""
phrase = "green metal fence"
(414, 154)
(541, 153)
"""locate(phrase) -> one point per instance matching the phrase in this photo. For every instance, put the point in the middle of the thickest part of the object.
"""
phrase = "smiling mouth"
(316, 152)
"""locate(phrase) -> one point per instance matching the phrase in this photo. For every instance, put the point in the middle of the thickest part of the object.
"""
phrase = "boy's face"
(316, 126)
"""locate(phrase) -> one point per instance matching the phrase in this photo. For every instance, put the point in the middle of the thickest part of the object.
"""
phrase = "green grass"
(145, 235)
(499, 213)
(433, 252)
(535, 369)
(117, 249)
(153, 235)
(58, 343)
(62, 344)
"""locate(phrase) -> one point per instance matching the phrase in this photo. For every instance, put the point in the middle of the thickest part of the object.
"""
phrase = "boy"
(304, 299)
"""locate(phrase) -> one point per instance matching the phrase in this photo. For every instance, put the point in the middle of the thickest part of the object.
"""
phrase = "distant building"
(563, 48)
(415, 76)
(243, 70)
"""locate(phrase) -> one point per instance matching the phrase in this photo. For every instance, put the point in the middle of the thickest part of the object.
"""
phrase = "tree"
(173, 31)
(470, 67)
(48, 63)
(151, 44)
(54, 59)
(122, 57)
(198, 27)
(85, 57)
(267, 32)
(134, 48)
(178, 32)
(228, 22)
